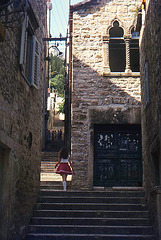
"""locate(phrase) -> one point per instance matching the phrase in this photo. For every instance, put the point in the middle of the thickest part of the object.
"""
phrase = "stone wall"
(21, 107)
(150, 49)
(98, 99)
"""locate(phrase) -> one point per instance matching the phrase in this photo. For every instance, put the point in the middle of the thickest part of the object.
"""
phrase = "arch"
(131, 29)
(116, 30)
(111, 25)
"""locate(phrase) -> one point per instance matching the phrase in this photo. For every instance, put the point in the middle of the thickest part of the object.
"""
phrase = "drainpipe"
(70, 71)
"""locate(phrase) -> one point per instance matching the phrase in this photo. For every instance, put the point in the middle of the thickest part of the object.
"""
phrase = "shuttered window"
(30, 54)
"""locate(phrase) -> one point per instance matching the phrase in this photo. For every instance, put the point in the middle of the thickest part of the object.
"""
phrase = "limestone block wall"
(150, 49)
(98, 99)
(21, 107)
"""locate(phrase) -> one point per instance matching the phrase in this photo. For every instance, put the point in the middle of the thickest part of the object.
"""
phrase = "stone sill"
(121, 74)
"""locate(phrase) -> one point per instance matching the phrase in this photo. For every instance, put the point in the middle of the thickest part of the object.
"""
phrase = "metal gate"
(117, 155)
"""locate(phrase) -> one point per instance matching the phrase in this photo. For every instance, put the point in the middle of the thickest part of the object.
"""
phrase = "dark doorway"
(117, 155)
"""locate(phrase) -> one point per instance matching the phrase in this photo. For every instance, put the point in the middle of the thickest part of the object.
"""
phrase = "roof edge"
(78, 5)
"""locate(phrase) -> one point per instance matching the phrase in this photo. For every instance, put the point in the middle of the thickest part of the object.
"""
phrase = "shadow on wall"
(92, 90)
(98, 100)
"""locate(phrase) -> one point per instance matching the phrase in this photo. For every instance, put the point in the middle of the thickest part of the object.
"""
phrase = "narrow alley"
(80, 120)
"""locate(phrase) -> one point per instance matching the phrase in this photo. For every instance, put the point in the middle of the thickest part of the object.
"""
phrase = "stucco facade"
(99, 95)
(21, 107)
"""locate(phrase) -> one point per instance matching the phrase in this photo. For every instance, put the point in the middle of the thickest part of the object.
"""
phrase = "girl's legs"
(64, 177)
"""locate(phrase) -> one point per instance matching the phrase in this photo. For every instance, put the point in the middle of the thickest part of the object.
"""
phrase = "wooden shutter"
(35, 76)
(23, 43)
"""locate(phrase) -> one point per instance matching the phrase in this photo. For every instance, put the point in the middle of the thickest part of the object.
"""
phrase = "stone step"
(47, 163)
(55, 185)
(78, 206)
(123, 194)
(52, 170)
(92, 200)
(65, 229)
(124, 200)
(48, 167)
(49, 183)
(90, 221)
(90, 215)
(52, 177)
(86, 213)
(88, 237)
(49, 160)
(49, 156)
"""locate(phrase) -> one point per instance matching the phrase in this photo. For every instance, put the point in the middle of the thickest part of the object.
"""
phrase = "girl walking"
(65, 166)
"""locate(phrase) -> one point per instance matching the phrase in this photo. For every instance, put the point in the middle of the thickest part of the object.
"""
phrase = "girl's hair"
(63, 153)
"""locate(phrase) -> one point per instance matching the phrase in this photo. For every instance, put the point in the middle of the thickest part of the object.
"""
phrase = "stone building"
(22, 74)
(104, 92)
(150, 59)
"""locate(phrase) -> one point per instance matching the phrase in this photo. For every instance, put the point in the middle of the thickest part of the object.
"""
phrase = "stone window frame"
(30, 55)
(106, 39)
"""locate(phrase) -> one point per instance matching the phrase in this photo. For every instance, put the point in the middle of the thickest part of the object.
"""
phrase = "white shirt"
(66, 160)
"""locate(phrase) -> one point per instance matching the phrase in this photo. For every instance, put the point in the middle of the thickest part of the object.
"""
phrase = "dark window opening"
(134, 51)
(117, 54)
(117, 51)
(134, 55)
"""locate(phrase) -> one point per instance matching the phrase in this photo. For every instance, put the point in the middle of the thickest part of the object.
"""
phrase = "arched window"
(134, 51)
(117, 52)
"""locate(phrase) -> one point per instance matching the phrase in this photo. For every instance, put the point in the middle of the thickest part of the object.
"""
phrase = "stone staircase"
(54, 145)
(90, 215)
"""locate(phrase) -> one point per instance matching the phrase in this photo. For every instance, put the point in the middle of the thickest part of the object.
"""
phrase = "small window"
(134, 52)
(30, 54)
(117, 51)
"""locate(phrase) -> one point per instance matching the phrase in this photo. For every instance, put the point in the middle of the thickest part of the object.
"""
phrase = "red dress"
(64, 166)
